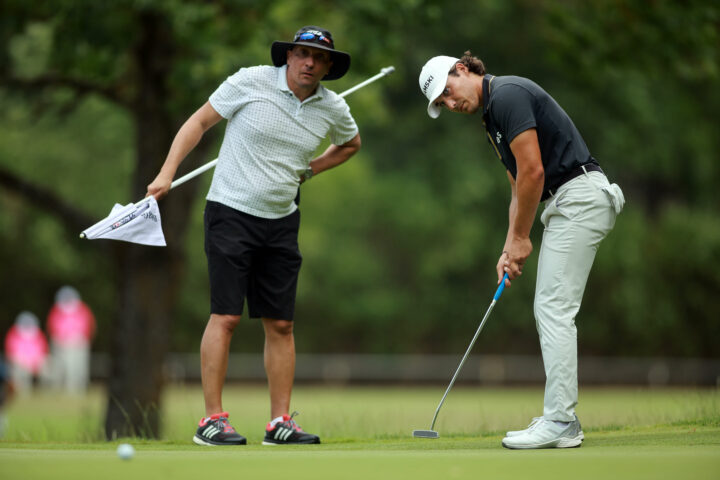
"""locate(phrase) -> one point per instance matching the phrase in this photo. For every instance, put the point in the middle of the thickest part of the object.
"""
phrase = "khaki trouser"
(70, 367)
(576, 219)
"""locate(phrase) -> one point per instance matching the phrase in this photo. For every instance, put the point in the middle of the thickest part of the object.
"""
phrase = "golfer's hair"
(474, 64)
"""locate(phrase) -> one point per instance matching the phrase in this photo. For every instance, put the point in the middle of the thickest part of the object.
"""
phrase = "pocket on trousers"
(552, 208)
(616, 196)
(211, 215)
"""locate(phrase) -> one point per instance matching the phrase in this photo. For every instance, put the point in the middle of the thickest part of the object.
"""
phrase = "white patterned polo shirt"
(270, 139)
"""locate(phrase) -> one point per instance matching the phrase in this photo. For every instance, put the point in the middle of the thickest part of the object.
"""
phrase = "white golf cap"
(433, 79)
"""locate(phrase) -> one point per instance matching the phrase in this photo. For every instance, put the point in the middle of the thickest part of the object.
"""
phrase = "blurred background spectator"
(26, 349)
(71, 326)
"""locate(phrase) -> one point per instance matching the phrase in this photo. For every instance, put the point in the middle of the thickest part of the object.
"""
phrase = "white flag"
(135, 223)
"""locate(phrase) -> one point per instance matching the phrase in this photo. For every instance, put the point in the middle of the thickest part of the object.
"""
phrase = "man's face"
(307, 65)
(460, 94)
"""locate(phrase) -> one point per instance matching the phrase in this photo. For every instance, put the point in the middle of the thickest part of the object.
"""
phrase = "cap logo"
(427, 84)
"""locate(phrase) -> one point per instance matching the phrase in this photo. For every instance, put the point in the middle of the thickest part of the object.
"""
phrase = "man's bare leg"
(279, 364)
(214, 352)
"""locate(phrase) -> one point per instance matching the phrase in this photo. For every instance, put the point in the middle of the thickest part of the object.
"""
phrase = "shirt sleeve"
(513, 111)
(344, 128)
(231, 94)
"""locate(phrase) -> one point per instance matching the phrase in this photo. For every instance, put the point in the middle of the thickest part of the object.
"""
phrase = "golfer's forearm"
(529, 181)
(511, 223)
(529, 191)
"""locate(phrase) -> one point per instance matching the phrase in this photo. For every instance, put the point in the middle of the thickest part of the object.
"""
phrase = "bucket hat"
(315, 37)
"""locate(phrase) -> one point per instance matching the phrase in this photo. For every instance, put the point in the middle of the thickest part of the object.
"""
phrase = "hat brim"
(340, 60)
(432, 109)
(435, 73)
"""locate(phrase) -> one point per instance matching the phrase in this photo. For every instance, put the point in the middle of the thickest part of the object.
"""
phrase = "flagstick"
(383, 72)
(193, 174)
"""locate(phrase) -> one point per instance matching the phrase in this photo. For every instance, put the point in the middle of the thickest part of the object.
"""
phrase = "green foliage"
(400, 244)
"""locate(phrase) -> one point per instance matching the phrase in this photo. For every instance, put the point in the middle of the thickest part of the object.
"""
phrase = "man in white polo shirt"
(277, 117)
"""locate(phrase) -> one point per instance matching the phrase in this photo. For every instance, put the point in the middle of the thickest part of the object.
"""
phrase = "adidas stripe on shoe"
(216, 430)
(287, 432)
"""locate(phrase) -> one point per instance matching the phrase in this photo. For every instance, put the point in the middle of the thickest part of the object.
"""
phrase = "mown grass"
(366, 431)
(342, 415)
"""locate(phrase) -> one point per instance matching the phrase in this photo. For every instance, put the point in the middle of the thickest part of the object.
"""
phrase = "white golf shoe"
(533, 424)
(546, 434)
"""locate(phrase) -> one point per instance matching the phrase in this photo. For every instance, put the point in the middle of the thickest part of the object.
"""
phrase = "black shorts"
(254, 257)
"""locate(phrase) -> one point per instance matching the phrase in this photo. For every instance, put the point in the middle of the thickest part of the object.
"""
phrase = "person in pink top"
(26, 351)
(71, 326)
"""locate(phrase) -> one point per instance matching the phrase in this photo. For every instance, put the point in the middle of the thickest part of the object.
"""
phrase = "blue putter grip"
(500, 288)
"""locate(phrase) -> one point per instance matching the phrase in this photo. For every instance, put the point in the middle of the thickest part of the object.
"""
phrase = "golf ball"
(125, 451)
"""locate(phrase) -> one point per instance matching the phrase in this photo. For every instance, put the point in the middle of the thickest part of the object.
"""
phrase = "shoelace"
(535, 422)
(225, 423)
(292, 424)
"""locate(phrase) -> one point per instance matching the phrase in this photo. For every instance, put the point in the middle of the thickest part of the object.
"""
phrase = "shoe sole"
(520, 432)
(566, 442)
(210, 443)
(265, 442)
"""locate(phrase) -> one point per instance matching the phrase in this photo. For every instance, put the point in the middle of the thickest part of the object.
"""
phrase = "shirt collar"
(282, 85)
(487, 80)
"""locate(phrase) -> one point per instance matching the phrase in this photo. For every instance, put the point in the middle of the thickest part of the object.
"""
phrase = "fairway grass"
(367, 433)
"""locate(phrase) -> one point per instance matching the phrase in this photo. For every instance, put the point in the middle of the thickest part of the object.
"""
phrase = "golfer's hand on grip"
(514, 257)
(501, 269)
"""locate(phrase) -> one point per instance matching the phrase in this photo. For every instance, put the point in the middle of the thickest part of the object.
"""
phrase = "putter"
(432, 433)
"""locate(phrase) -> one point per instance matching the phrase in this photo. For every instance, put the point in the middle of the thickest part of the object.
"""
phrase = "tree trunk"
(149, 278)
(147, 287)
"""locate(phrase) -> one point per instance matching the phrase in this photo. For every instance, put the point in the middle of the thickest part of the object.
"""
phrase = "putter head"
(425, 434)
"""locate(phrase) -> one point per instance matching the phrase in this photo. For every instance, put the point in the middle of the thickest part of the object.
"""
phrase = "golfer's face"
(459, 95)
(307, 65)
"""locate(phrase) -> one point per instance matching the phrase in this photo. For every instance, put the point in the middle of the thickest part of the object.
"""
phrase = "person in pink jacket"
(71, 326)
(26, 351)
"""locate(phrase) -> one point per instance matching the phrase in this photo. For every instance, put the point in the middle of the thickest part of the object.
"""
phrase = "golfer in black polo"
(547, 161)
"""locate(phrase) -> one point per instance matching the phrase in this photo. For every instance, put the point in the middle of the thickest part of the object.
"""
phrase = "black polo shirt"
(4, 377)
(512, 105)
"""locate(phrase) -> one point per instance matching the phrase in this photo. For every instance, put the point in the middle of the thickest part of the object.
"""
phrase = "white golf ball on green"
(125, 451)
